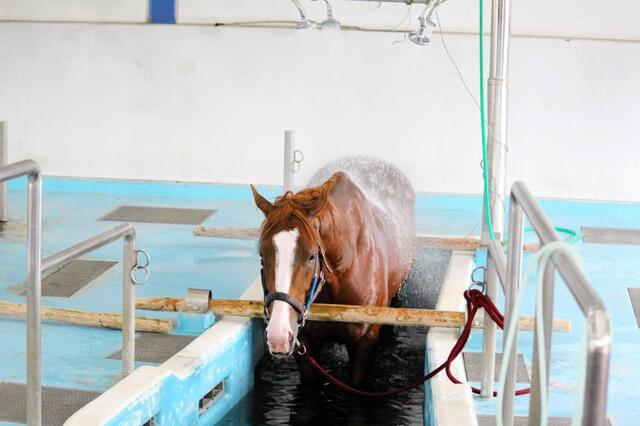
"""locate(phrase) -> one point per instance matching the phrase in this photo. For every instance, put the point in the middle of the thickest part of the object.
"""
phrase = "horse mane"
(300, 205)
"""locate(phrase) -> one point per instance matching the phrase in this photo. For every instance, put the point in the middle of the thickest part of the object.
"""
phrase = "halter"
(317, 282)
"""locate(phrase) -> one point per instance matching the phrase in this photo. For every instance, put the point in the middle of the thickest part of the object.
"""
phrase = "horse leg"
(361, 352)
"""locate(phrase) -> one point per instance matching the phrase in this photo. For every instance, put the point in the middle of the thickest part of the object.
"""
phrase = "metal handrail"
(128, 234)
(508, 271)
(31, 169)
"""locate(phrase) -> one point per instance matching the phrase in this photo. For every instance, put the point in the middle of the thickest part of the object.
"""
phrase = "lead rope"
(475, 300)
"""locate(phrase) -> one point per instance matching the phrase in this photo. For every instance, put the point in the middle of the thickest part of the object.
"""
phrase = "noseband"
(316, 286)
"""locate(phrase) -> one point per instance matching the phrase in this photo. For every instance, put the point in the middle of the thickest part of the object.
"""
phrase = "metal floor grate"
(524, 421)
(634, 296)
(592, 235)
(72, 278)
(473, 367)
(157, 348)
(166, 215)
(58, 404)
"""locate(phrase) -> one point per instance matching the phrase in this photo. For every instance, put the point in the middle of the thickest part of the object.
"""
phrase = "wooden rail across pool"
(345, 313)
(469, 243)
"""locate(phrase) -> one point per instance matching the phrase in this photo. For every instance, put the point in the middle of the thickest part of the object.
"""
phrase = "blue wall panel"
(162, 11)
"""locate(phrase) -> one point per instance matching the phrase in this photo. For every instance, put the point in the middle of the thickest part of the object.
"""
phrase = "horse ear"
(262, 203)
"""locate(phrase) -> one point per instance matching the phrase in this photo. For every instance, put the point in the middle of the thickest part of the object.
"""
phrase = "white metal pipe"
(489, 333)
(34, 292)
(497, 91)
(68, 255)
(4, 140)
(128, 306)
(289, 148)
(514, 273)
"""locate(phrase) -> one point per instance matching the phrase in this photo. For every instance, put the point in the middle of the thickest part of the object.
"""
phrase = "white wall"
(211, 103)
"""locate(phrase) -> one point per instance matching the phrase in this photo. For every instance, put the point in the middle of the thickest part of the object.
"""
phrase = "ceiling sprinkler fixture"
(304, 22)
(423, 35)
(330, 23)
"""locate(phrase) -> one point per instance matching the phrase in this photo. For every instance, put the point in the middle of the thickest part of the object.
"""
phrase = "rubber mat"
(473, 367)
(610, 235)
(58, 404)
(72, 278)
(166, 215)
(157, 348)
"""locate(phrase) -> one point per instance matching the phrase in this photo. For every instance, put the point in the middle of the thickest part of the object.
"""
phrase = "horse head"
(293, 263)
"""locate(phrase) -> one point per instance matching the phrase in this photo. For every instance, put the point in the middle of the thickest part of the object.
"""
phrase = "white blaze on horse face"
(280, 330)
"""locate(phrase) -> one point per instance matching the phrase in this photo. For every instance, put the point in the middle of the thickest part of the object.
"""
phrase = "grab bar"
(508, 272)
(31, 169)
(129, 256)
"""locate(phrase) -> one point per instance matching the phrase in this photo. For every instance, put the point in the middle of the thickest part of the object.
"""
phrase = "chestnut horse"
(348, 239)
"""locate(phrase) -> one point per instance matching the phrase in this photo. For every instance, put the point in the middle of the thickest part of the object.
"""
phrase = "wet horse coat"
(358, 217)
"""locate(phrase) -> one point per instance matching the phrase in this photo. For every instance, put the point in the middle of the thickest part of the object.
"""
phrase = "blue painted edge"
(162, 11)
(175, 401)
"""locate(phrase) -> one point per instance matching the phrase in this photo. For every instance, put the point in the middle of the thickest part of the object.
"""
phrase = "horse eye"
(312, 258)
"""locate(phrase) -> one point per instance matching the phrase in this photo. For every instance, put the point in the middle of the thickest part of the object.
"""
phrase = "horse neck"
(341, 227)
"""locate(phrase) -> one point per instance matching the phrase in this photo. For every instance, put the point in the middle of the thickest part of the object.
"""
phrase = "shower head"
(423, 35)
(330, 23)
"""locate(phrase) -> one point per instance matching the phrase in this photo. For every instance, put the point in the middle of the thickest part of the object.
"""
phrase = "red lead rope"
(475, 300)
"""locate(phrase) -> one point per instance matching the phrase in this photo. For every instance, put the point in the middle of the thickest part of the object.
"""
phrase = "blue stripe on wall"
(162, 11)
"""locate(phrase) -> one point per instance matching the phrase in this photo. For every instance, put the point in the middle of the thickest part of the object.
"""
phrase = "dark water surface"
(278, 397)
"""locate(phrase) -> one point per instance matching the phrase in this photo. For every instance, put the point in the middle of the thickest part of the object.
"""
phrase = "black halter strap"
(283, 297)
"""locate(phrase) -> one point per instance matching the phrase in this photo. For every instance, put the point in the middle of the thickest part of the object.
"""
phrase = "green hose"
(574, 236)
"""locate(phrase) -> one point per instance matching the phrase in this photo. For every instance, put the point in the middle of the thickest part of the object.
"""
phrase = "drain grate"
(72, 278)
(58, 404)
(157, 348)
(166, 215)
(610, 235)
(634, 296)
(473, 366)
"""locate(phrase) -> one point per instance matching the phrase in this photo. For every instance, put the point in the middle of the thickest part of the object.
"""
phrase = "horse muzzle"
(280, 345)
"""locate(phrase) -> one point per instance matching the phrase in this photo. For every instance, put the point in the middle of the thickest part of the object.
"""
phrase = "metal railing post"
(34, 291)
(31, 169)
(4, 141)
(514, 273)
(597, 374)
(128, 305)
(548, 284)
(489, 332)
(289, 148)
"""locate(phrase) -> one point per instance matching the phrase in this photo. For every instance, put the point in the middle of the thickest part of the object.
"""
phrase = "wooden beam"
(231, 233)
(344, 313)
(90, 319)
(469, 243)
